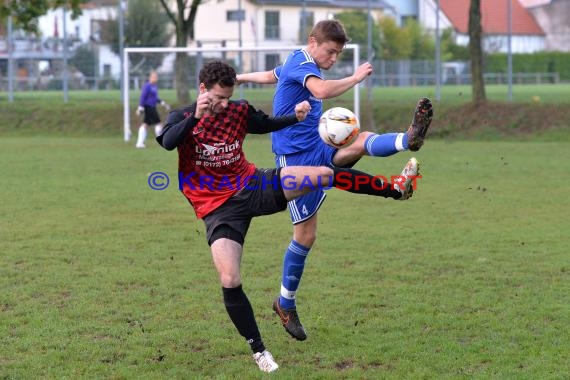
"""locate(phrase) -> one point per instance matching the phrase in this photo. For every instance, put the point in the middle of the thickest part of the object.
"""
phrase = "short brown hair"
(217, 72)
(329, 30)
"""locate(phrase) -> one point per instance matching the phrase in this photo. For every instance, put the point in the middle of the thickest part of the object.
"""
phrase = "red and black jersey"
(211, 162)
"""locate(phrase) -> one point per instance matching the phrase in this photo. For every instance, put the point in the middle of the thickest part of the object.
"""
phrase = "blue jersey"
(291, 89)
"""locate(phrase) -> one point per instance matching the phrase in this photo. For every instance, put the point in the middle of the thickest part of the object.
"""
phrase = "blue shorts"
(306, 206)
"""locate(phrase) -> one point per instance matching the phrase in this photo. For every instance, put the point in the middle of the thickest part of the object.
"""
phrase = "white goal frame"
(125, 80)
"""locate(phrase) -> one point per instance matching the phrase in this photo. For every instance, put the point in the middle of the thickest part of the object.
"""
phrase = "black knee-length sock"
(355, 181)
(240, 312)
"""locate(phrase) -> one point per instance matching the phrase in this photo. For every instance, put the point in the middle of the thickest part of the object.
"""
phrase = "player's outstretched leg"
(387, 144)
(406, 184)
(420, 124)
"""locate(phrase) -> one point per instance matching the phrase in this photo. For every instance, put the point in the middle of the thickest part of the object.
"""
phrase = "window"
(308, 22)
(96, 30)
(235, 15)
(272, 30)
(100, 30)
(406, 19)
(271, 61)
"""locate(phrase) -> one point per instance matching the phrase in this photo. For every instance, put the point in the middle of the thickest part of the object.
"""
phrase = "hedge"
(543, 62)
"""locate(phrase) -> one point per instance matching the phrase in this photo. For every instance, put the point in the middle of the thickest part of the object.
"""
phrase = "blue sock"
(293, 265)
(386, 144)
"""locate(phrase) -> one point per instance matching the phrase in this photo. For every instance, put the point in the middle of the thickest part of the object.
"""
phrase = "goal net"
(138, 62)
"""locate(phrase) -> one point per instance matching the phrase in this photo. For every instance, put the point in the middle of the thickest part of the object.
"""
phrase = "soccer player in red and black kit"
(227, 191)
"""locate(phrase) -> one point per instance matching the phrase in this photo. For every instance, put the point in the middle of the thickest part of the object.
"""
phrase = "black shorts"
(256, 199)
(151, 116)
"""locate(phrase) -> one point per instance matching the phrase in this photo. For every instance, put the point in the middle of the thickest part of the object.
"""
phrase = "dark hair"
(217, 72)
(329, 30)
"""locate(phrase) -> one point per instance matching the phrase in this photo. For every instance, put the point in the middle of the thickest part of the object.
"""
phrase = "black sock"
(240, 312)
(358, 182)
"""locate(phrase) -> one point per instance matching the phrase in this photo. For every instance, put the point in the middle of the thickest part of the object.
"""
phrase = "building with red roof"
(527, 36)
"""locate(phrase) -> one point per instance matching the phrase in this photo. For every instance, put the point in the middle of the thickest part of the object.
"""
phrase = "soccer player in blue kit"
(299, 78)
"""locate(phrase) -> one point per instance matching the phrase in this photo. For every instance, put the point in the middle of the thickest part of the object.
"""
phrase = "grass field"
(451, 94)
(103, 277)
(100, 113)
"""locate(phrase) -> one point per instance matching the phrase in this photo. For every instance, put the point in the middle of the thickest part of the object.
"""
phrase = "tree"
(183, 21)
(25, 13)
(396, 42)
(450, 50)
(85, 60)
(476, 51)
(422, 43)
(145, 26)
(356, 25)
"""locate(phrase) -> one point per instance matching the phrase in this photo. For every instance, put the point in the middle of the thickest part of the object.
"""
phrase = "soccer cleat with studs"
(290, 320)
(420, 124)
(409, 173)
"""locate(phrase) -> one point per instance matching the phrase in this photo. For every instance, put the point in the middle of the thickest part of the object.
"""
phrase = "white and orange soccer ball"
(339, 127)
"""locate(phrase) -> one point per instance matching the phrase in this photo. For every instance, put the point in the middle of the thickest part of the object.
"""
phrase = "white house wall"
(401, 9)
(211, 28)
(108, 58)
(499, 43)
(81, 29)
(427, 16)
(519, 44)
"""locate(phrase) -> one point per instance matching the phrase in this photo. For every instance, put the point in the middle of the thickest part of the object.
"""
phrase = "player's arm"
(326, 89)
(177, 125)
(162, 103)
(260, 77)
(180, 122)
(144, 94)
(142, 100)
(258, 122)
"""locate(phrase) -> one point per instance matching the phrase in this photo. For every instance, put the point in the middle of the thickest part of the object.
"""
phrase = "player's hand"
(140, 110)
(302, 110)
(165, 105)
(363, 71)
(202, 104)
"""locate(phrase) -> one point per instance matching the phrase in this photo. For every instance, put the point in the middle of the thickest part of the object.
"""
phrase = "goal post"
(207, 52)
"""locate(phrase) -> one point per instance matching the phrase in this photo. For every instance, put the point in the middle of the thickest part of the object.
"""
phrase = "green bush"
(543, 62)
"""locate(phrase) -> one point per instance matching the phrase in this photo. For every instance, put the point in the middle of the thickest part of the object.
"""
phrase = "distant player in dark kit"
(147, 104)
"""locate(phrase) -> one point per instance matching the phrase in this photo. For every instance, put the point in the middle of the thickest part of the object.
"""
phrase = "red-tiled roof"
(494, 17)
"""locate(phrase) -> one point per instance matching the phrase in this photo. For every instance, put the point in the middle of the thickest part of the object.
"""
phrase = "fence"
(29, 75)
